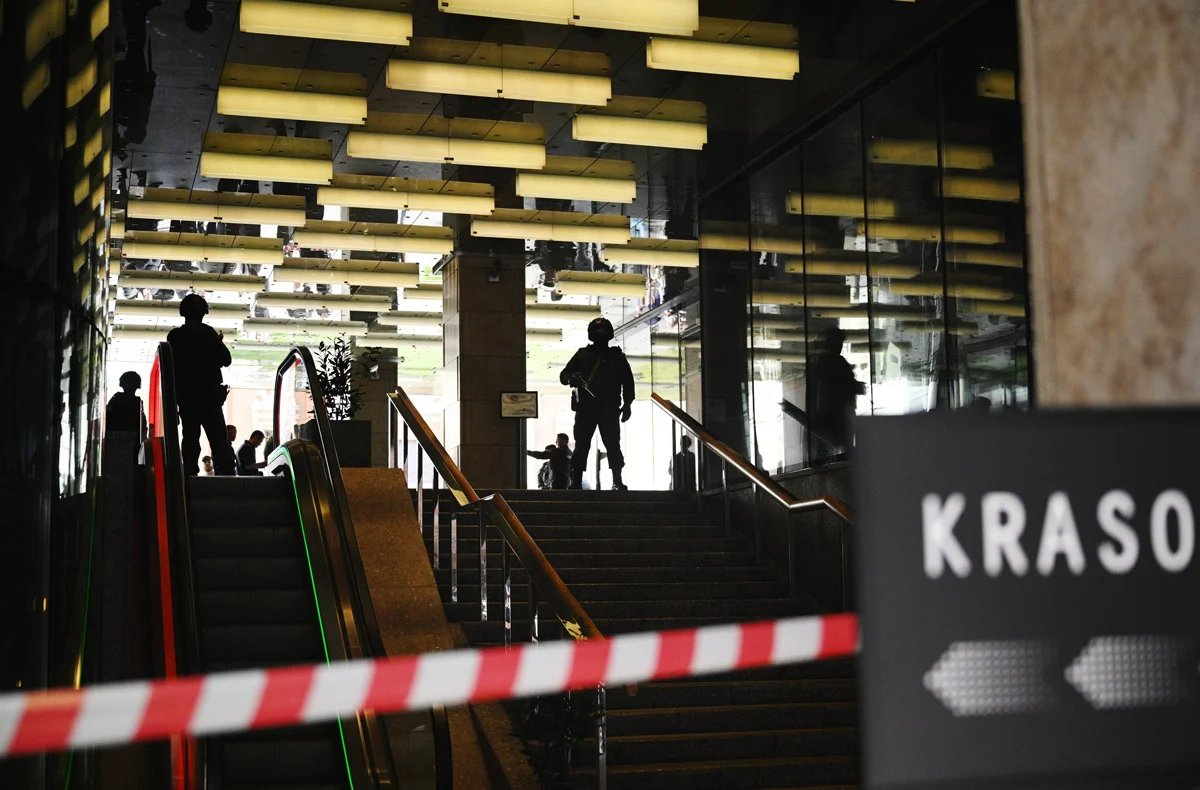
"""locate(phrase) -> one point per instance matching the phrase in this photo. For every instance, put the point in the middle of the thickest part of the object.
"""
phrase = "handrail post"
(601, 737)
(533, 612)
(725, 496)
(454, 552)
(391, 438)
(845, 581)
(483, 594)
(793, 590)
(404, 450)
(421, 492)
(758, 540)
(437, 521)
(506, 578)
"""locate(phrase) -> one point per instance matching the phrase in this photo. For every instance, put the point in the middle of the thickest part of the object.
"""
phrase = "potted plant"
(342, 397)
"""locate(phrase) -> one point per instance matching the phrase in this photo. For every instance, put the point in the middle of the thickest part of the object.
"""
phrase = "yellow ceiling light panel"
(200, 281)
(375, 237)
(581, 178)
(996, 84)
(574, 226)
(397, 342)
(653, 252)
(673, 17)
(612, 284)
(911, 231)
(1010, 309)
(384, 274)
(561, 313)
(325, 21)
(850, 268)
(83, 188)
(265, 157)
(977, 188)
(141, 308)
(924, 153)
(955, 285)
(732, 47)
(200, 205)
(70, 134)
(823, 204)
(474, 68)
(201, 247)
(464, 141)
(44, 22)
(1004, 259)
(424, 293)
(140, 334)
(117, 228)
(314, 301)
(98, 22)
(80, 83)
(300, 326)
(799, 296)
(305, 95)
(396, 318)
(734, 236)
(37, 80)
(639, 120)
(408, 194)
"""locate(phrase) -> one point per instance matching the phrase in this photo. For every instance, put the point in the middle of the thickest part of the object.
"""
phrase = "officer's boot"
(618, 484)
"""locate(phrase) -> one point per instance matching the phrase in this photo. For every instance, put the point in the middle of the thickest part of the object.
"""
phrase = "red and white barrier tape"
(145, 710)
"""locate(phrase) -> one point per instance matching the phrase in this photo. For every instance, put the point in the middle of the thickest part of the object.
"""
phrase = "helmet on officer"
(600, 330)
(130, 380)
(193, 306)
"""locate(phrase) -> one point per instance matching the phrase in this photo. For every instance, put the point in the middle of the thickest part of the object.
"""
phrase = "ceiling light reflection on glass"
(924, 153)
(819, 204)
(676, 17)
(907, 231)
(977, 188)
(325, 21)
(731, 47)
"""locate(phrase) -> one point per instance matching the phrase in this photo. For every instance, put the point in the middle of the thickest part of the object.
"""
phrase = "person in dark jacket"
(247, 462)
(124, 411)
(603, 391)
(558, 457)
(832, 391)
(199, 353)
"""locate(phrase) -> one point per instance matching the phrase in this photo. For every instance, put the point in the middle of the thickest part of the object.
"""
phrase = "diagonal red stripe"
(839, 635)
(675, 653)
(497, 673)
(283, 696)
(589, 663)
(170, 707)
(391, 684)
(758, 642)
(47, 721)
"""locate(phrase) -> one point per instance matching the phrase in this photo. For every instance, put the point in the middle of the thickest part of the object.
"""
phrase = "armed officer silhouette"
(603, 391)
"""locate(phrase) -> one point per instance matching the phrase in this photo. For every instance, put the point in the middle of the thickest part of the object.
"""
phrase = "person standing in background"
(603, 391)
(199, 353)
(124, 411)
(248, 464)
(558, 460)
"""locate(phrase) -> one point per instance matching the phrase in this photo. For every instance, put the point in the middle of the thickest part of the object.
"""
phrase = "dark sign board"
(1029, 588)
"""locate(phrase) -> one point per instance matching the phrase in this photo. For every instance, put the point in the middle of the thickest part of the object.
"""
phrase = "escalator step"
(267, 644)
(256, 607)
(205, 513)
(252, 487)
(236, 573)
(290, 761)
(247, 542)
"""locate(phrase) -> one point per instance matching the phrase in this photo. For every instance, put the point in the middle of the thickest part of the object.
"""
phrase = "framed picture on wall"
(519, 405)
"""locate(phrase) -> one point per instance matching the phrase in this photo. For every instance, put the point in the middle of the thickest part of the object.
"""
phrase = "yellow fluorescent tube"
(372, 304)
(849, 268)
(547, 185)
(918, 232)
(397, 342)
(179, 281)
(402, 201)
(497, 82)
(639, 131)
(618, 290)
(631, 256)
(295, 105)
(323, 21)
(384, 279)
(262, 167)
(409, 320)
(360, 242)
(301, 326)
(1000, 258)
(214, 212)
(419, 148)
(996, 85)
(714, 57)
(829, 205)
(924, 153)
(675, 17)
(976, 188)
(199, 252)
(501, 229)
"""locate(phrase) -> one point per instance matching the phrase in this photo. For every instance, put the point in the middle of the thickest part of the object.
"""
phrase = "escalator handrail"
(554, 590)
(333, 472)
(163, 430)
(752, 473)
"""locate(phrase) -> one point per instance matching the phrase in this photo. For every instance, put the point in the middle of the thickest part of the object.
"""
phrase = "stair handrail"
(557, 595)
(761, 482)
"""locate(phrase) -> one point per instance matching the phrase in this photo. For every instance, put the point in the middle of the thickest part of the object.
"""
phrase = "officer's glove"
(626, 412)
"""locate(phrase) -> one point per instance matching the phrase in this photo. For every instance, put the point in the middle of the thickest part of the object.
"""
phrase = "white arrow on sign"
(1138, 671)
(996, 677)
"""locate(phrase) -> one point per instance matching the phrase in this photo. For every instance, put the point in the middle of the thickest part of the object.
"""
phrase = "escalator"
(264, 572)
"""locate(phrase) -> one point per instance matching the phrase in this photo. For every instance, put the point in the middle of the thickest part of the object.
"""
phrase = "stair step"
(252, 607)
(267, 573)
(268, 644)
(704, 692)
(716, 575)
(630, 591)
(213, 542)
(736, 744)
(469, 530)
(809, 772)
(727, 718)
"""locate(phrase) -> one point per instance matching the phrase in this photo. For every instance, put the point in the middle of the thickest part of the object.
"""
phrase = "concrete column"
(483, 330)
(1111, 106)
(375, 404)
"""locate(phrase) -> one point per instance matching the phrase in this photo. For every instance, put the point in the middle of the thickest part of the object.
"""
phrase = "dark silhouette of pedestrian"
(683, 466)
(124, 411)
(603, 391)
(558, 461)
(247, 463)
(199, 354)
(544, 475)
(231, 432)
(831, 392)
